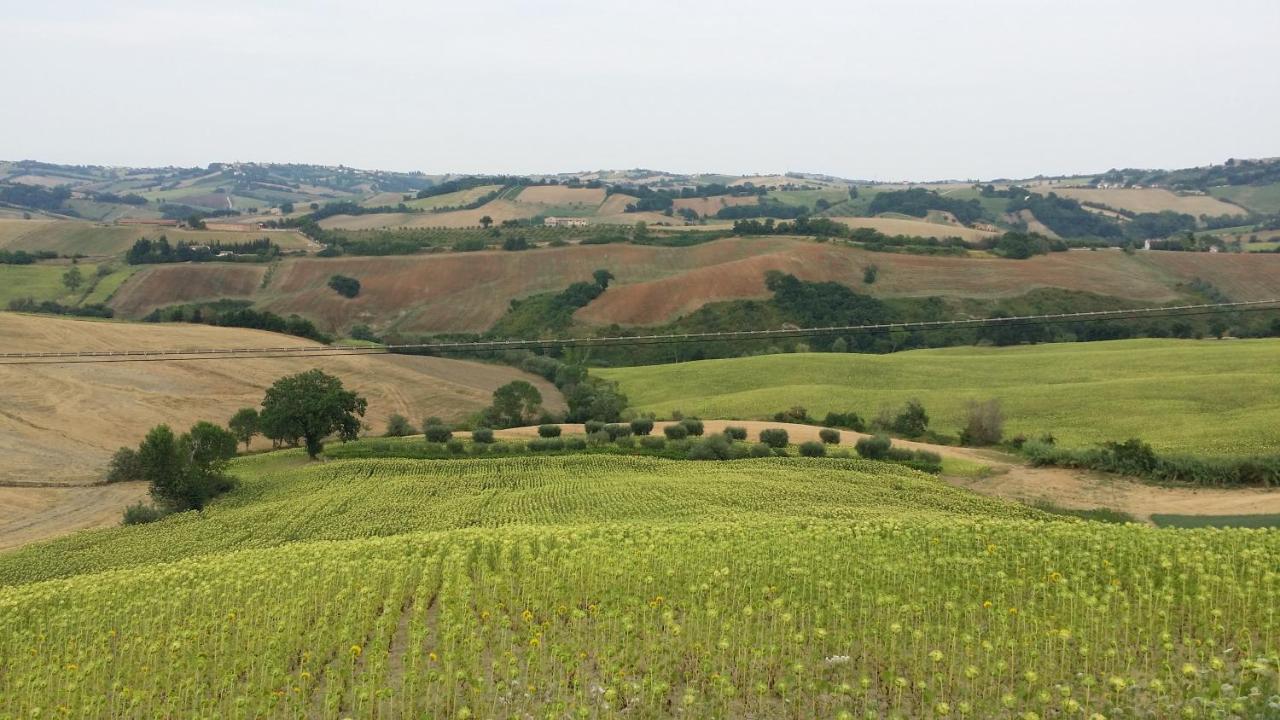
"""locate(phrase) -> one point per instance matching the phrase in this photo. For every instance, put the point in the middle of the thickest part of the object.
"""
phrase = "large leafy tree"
(186, 472)
(311, 405)
(516, 403)
(244, 425)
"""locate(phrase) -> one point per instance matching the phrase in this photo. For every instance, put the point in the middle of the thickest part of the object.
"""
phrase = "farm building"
(565, 222)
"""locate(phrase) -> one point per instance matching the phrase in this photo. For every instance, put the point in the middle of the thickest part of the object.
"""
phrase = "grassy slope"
(1201, 396)
(1258, 198)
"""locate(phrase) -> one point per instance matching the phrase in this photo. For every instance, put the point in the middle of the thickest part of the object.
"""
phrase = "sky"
(865, 89)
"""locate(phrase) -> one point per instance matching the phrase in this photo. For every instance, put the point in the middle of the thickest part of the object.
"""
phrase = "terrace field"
(788, 588)
(1193, 396)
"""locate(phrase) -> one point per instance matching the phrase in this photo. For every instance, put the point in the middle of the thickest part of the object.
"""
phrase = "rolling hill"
(454, 292)
(60, 423)
(1193, 396)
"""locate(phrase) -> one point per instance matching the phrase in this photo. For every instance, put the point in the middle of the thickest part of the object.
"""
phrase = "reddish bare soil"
(1242, 276)
(161, 285)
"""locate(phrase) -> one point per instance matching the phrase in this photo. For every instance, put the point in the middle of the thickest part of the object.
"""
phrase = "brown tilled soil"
(161, 285)
(60, 423)
(1241, 276)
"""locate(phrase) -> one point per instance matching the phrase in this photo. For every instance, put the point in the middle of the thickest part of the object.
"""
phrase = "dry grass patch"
(1151, 200)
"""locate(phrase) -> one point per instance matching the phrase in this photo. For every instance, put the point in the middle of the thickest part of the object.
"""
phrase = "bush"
(643, 426)
(715, 447)
(760, 450)
(874, 448)
(829, 436)
(736, 433)
(650, 442)
(482, 436)
(598, 438)
(775, 437)
(124, 466)
(347, 287)
(795, 414)
(693, 425)
(398, 426)
(575, 443)
(985, 424)
(437, 433)
(548, 431)
(593, 426)
(625, 441)
(739, 451)
(847, 420)
(617, 430)
(479, 449)
(140, 514)
(813, 448)
(546, 444)
(912, 421)
(456, 447)
(676, 432)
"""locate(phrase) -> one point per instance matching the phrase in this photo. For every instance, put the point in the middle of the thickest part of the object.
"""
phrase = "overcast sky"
(892, 89)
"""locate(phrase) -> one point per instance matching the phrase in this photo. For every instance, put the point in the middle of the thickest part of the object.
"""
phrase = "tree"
(244, 425)
(398, 426)
(286, 207)
(602, 278)
(186, 472)
(311, 405)
(912, 421)
(515, 243)
(124, 466)
(347, 287)
(72, 278)
(985, 425)
(775, 437)
(486, 221)
(515, 402)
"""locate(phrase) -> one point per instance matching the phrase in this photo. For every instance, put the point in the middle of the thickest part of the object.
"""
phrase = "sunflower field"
(605, 587)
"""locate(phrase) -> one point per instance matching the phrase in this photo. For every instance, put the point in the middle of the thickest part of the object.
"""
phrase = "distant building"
(565, 222)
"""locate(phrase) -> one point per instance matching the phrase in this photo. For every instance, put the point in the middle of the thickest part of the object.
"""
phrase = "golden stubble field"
(60, 423)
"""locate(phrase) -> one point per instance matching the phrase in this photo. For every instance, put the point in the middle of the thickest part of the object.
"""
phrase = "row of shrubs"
(1136, 458)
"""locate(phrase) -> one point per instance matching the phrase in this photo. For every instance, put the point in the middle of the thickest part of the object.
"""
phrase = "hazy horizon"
(923, 90)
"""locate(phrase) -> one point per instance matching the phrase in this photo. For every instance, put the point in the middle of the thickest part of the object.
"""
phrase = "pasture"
(1150, 200)
(1200, 397)
(109, 405)
(1258, 198)
(589, 587)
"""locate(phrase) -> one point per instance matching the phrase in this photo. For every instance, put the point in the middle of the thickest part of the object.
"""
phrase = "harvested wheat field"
(561, 195)
(616, 204)
(1151, 200)
(709, 206)
(920, 228)
(77, 236)
(60, 423)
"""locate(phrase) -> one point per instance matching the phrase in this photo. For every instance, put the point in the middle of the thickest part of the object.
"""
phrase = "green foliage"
(237, 313)
(483, 436)
(347, 287)
(761, 450)
(549, 431)
(675, 432)
(734, 432)
(1020, 245)
(245, 425)
(514, 404)
(141, 514)
(846, 420)
(515, 243)
(125, 465)
(1065, 216)
(694, 426)
(870, 273)
(911, 421)
(398, 426)
(73, 278)
(812, 448)
(1136, 458)
(873, 448)
(985, 423)
(641, 426)
(775, 437)
(311, 405)
(435, 433)
(829, 436)
(185, 473)
(824, 304)
(917, 202)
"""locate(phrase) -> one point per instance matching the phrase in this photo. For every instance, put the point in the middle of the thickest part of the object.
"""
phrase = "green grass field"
(1210, 397)
(1258, 198)
(808, 198)
(629, 587)
(41, 281)
(1203, 521)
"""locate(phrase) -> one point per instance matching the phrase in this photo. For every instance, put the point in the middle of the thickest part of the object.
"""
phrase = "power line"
(461, 347)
